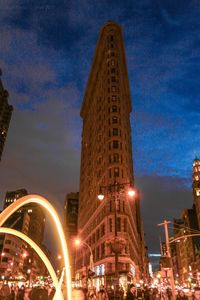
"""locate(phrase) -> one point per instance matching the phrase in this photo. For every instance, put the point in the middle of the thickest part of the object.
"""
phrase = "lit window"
(116, 172)
(114, 98)
(113, 88)
(198, 192)
(114, 120)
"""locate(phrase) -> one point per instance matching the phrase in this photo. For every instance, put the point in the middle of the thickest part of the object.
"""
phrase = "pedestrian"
(4, 292)
(131, 292)
(92, 295)
(78, 294)
(102, 294)
(196, 295)
(155, 295)
(181, 295)
(39, 293)
(20, 293)
(110, 293)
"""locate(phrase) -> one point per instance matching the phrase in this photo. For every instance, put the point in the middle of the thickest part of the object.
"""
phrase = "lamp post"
(114, 190)
(78, 242)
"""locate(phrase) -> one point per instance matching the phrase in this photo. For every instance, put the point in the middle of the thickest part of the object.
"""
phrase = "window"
(97, 235)
(102, 229)
(118, 224)
(115, 144)
(114, 98)
(112, 62)
(7, 242)
(116, 157)
(125, 225)
(116, 172)
(113, 88)
(110, 225)
(97, 253)
(113, 70)
(115, 131)
(113, 79)
(114, 120)
(114, 108)
(5, 259)
(102, 249)
(93, 238)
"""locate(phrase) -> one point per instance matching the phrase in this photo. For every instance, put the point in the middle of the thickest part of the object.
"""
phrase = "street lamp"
(115, 190)
(78, 243)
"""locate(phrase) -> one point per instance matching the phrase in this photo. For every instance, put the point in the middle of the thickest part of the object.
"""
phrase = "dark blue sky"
(46, 49)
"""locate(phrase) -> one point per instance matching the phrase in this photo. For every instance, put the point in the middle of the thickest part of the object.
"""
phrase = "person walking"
(102, 294)
(131, 294)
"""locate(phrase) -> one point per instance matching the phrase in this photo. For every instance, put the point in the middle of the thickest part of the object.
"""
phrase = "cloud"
(168, 197)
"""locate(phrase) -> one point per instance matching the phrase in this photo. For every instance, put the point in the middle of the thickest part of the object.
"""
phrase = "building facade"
(71, 227)
(106, 165)
(196, 186)
(5, 115)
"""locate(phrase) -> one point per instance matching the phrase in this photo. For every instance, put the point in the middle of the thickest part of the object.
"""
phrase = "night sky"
(46, 50)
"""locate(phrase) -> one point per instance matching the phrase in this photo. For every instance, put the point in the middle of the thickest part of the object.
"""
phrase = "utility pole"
(165, 224)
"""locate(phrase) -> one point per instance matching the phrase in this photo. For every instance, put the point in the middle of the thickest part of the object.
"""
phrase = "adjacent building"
(107, 166)
(71, 226)
(5, 115)
(186, 251)
(196, 186)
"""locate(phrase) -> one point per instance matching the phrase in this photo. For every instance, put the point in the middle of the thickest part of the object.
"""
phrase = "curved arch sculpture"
(8, 211)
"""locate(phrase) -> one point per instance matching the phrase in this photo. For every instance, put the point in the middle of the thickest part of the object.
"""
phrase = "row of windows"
(96, 236)
(121, 225)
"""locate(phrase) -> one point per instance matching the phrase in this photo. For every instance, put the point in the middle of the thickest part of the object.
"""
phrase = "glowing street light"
(78, 242)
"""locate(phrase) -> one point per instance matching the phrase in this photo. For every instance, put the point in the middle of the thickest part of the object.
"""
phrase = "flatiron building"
(106, 163)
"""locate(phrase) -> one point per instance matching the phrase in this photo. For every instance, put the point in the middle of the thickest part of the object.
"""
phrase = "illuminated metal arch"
(8, 211)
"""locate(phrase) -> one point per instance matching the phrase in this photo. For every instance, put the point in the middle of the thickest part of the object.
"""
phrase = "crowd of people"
(15, 292)
(133, 293)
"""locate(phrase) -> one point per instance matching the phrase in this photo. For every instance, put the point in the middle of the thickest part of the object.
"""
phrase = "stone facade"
(106, 160)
